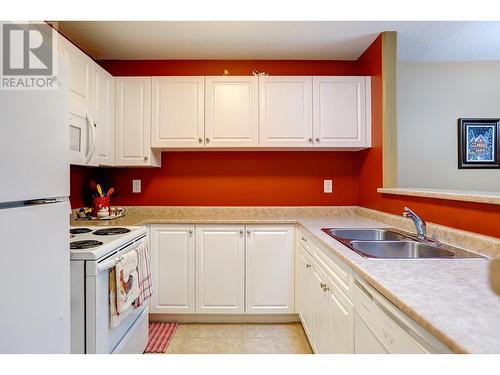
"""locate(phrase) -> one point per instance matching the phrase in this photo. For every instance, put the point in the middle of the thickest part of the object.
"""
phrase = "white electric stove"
(94, 251)
(92, 242)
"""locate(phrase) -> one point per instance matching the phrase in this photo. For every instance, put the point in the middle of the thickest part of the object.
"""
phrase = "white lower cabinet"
(209, 269)
(303, 289)
(326, 313)
(172, 261)
(220, 269)
(269, 269)
(333, 316)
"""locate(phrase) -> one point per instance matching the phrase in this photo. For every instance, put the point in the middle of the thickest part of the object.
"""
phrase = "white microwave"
(83, 140)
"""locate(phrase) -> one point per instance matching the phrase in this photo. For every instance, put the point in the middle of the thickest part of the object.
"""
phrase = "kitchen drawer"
(304, 241)
(340, 273)
(391, 328)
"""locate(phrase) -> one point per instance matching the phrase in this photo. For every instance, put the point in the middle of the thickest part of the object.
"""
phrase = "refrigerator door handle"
(91, 149)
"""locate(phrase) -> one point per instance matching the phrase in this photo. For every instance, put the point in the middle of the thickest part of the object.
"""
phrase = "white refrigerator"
(34, 250)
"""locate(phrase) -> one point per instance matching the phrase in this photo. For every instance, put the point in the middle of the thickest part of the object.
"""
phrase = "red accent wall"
(230, 179)
(275, 178)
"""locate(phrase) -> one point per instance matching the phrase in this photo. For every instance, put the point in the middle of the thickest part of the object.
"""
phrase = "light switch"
(327, 186)
(136, 186)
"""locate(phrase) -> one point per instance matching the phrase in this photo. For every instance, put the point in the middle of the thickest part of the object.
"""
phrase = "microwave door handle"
(91, 149)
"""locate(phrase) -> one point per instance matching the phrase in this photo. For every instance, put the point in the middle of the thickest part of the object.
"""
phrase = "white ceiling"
(303, 40)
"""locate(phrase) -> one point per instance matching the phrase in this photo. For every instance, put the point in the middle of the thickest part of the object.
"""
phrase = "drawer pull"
(304, 239)
(308, 265)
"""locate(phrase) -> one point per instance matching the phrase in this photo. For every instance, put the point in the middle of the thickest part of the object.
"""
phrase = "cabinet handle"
(310, 140)
(241, 231)
(200, 140)
(207, 140)
(249, 231)
(190, 231)
(317, 140)
(308, 265)
(322, 286)
(146, 158)
(304, 239)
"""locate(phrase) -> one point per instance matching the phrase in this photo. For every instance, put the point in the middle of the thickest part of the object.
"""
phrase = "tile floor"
(288, 338)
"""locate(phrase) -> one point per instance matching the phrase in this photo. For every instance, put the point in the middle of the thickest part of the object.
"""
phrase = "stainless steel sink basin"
(399, 249)
(372, 234)
(391, 243)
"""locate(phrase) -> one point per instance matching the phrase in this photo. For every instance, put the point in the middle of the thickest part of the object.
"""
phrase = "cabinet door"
(303, 296)
(177, 112)
(340, 317)
(340, 108)
(133, 122)
(318, 312)
(231, 105)
(269, 270)
(333, 318)
(285, 111)
(172, 267)
(220, 269)
(103, 114)
(79, 77)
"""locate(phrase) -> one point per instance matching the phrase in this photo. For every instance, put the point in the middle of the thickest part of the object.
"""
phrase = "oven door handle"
(94, 268)
(106, 265)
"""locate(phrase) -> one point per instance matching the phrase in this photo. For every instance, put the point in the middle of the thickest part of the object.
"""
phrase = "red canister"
(99, 202)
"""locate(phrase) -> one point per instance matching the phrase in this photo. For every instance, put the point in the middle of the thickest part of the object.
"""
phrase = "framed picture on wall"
(478, 143)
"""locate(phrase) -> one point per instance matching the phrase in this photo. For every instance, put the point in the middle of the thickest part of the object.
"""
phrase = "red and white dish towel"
(144, 273)
(123, 287)
(130, 284)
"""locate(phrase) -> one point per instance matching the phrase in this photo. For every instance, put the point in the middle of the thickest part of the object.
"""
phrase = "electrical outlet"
(136, 186)
(327, 186)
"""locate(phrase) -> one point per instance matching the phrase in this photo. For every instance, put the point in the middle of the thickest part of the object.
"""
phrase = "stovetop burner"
(110, 231)
(84, 244)
(79, 230)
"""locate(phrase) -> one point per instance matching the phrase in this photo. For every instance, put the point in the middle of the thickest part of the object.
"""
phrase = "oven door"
(132, 334)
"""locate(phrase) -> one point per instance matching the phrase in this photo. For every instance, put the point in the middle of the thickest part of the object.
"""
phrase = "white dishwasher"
(382, 328)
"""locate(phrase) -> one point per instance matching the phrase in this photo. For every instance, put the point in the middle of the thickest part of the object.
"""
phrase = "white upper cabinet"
(270, 269)
(220, 269)
(172, 269)
(133, 122)
(231, 106)
(177, 112)
(79, 77)
(341, 111)
(285, 111)
(103, 114)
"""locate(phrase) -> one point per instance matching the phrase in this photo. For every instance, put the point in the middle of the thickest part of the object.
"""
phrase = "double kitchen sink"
(394, 244)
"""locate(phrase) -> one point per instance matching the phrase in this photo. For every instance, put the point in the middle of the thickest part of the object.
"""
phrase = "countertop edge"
(463, 196)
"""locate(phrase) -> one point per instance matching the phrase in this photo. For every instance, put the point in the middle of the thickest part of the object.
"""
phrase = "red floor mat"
(160, 335)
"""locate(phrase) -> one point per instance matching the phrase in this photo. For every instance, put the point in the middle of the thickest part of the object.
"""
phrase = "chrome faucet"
(419, 223)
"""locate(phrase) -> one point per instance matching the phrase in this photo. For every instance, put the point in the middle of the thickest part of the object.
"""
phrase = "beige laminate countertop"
(452, 299)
